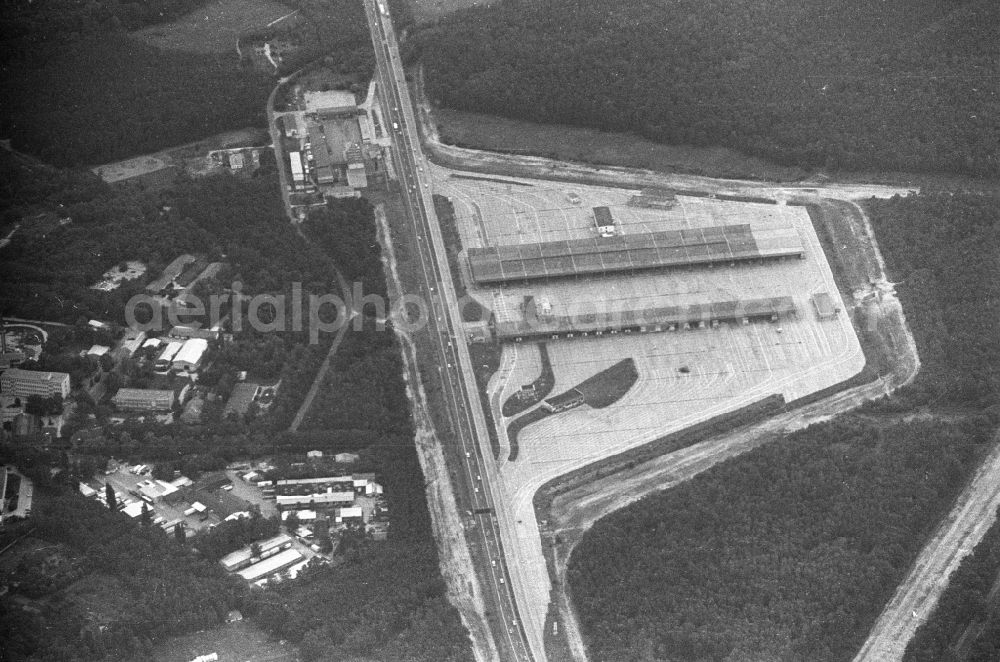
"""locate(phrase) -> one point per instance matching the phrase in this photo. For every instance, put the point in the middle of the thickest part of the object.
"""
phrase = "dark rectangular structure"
(825, 306)
(645, 319)
(631, 252)
(602, 217)
(317, 143)
(563, 401)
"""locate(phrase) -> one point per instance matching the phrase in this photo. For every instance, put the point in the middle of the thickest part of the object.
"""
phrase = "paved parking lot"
(251, 494)
(684, 376)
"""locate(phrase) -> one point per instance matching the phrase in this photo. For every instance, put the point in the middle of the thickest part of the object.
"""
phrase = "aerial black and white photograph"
(499, 331)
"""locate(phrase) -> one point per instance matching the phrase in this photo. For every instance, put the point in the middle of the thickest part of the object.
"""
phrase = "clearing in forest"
(215, 27)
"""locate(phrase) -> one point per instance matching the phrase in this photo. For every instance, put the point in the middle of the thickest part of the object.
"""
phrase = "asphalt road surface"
(445, 326)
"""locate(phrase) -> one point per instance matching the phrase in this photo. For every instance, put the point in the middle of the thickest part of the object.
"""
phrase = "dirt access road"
(915, 599)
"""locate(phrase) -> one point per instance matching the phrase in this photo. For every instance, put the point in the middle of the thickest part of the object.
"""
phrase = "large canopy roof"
(631, 252)
(638, 318)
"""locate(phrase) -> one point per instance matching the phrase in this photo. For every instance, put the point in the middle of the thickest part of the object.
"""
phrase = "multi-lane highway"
(445, 327)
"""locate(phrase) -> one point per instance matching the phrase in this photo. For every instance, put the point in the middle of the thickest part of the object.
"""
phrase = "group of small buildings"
(181, 356)
(143, 498)
(256, 563)
(17, 386)
(175, 284)
(320, 493)
(192, 505)
(239, 160)
(336, 497)
(334, 152)
(181, 353)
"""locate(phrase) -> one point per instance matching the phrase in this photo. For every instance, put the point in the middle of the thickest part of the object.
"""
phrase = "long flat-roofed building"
(171, 272)
(271, 565)
(23, 383)
(632, 252)
(298, 171)
(165, 358)
(310, 501)
(324, 166)
(144, 399)
(185, 332)
(667, 318)
(190, 355)
(564, 401)
(296, 486)
(242, 558)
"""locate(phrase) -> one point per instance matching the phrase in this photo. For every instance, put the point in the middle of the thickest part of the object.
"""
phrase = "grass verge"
(540, 388)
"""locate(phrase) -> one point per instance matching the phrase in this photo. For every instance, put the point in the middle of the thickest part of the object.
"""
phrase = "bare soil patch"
(236, 642)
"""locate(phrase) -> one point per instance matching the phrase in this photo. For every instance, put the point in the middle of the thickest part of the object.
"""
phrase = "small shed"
(826, 307)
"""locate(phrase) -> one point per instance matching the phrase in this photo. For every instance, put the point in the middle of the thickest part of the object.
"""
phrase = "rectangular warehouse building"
(632, 252)
(144, 399)
(243, 558)
(642, 320)
(25, 383)
(271, 565)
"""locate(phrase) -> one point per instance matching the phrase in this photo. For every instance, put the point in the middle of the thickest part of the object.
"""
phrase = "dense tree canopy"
(791, 551)
(78, 90)
(964, 604)
(229, 536)
(943, 251)
(901, 84)
(787, 553)
(385, 600)
(102, 97)
(133, 580)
